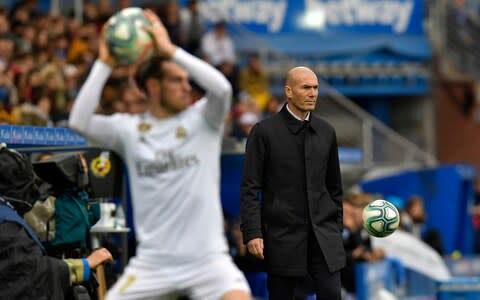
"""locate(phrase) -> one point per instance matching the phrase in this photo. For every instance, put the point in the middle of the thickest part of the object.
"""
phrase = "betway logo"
(262, 12)
(394, 13)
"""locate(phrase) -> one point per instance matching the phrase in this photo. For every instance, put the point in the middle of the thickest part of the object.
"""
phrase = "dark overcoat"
(292, 184)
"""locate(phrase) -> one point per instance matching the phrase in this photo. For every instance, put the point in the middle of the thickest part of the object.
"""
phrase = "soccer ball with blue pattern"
(380, 218)
(127, 40)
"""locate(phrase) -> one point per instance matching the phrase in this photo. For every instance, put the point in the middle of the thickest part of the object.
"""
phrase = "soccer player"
(172, 152)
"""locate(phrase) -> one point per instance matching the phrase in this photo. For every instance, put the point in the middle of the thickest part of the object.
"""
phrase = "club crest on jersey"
(181, 132)
(144, 127)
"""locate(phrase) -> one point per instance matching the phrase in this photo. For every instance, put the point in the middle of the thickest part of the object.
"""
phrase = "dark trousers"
(326, 285)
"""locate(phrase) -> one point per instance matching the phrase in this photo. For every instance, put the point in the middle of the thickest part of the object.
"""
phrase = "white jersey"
(173, 164)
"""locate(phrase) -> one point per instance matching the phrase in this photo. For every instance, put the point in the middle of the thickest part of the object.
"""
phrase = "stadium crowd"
(45, 57)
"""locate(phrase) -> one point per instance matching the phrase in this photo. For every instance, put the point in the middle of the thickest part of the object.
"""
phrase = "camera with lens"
(63, 172)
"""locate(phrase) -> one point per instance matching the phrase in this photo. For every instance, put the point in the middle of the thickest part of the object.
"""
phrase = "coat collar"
(295, 125)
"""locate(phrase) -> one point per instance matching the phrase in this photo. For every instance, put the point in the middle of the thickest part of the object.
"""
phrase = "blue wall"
(448, 194)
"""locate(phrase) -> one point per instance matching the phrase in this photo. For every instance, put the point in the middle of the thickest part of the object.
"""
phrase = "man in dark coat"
(26, 272)
(291, 194)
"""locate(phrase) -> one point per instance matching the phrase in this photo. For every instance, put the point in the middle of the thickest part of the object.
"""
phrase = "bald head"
(298, 73)
(301, 90)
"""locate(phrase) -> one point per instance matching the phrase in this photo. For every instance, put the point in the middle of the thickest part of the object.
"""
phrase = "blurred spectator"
(413, 221)
(134, 101)
(274, 105)
(121, 4)
(414, 217)
(171, 19)
(197, 92)
(90, 12)
(71, 75)
(217, 46)
(104, 11)
(245, 124)
(252, 267)
(254, 81)
(192, 27)
(229, 69)
(357, 244)
(4, 23)
(36, 113)
(8, 91)
(7, 47)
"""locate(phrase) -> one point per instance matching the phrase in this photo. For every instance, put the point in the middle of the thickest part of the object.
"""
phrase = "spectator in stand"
(414, 216)
(192, 27)
(357, 244)
(7, 47)
(229, 70)
(170, 15)
(4, 23)
(36, 113)
(121, 4)
(134, 101)
(104, 11)
(274, 106)
(90, 12)
(217, 46)
(244, 124)
(254, 81)
(413, 221)
(8, 91)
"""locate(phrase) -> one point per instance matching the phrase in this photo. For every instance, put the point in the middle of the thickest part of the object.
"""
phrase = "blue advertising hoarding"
(327, 29)
(296, 16)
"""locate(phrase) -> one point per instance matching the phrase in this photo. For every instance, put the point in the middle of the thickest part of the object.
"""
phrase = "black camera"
(62, 172)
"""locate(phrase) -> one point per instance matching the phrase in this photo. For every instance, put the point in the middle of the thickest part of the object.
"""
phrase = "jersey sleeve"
(218, 89)
(99, 129)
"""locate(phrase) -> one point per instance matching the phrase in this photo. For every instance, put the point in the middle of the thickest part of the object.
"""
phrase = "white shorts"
(206, 279)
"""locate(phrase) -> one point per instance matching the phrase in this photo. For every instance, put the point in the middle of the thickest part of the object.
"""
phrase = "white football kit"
(174, 173)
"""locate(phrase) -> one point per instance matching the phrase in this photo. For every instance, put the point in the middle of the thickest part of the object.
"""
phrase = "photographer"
(26, 272)
(74, 214)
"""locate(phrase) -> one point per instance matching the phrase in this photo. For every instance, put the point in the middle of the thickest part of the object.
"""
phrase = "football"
(126, 38)
(380, 218)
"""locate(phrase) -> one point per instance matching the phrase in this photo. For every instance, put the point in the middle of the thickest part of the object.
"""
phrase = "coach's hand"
(255, 247)
(162, 41)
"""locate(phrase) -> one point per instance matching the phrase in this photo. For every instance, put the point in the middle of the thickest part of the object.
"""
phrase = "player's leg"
(217, 277)
(236, 295)
(142, 281)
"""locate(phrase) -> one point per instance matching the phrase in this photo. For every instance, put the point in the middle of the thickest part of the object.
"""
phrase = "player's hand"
(161, 39)
(104, 54)
(99, 256)
(255, 247)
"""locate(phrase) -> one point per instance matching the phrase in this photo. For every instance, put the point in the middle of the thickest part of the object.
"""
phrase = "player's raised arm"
(98, 128)
(218, 89)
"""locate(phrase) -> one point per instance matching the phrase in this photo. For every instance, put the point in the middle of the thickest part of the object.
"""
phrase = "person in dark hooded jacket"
(26, 272)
